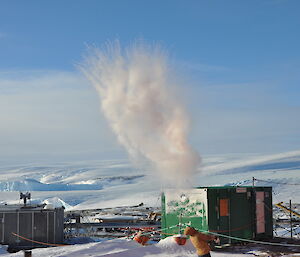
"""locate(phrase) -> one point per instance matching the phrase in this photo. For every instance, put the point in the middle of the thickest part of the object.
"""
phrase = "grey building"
(23, 227)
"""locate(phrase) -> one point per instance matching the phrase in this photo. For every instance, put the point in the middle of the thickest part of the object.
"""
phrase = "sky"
(239, 61)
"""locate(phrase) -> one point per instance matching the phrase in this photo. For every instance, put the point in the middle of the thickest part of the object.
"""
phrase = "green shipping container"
(243, 212)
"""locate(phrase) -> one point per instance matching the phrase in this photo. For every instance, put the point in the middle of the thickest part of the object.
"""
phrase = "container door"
(260, 213)
(219, 212)
(224, 223)
(240, 214)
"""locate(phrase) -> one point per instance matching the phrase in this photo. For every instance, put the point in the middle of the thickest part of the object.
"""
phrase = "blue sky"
(240, 59)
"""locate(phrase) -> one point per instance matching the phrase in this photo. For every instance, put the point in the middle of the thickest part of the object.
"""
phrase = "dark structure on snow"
(22, 225)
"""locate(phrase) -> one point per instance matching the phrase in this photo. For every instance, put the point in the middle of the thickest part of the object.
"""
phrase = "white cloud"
(57, 113)
(249, 117)
(50, 113)
(22, 81)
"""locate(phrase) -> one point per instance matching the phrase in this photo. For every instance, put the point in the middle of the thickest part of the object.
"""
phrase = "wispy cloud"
(243, 117)
(58, 112)
(24, 81)
(50, 113)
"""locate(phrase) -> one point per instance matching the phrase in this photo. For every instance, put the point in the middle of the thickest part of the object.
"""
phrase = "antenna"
(25, 196)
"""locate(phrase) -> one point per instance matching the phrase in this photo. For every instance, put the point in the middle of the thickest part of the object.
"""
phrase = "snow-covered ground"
(125, 248)
(113, 183)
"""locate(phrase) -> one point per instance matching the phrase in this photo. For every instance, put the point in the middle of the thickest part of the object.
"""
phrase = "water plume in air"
(135, 86)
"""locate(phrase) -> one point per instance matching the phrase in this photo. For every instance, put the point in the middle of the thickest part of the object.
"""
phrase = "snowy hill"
(100, 184)
(111, 183)
(34, 185)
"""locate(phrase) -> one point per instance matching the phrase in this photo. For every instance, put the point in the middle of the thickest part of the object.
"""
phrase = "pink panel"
(260, 212)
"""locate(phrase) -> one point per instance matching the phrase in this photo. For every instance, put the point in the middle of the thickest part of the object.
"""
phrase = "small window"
(224, 210)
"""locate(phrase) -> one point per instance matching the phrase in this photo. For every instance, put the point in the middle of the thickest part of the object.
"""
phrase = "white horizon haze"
(55, 115)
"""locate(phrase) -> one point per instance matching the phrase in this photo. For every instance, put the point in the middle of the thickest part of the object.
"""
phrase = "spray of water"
(135, 89)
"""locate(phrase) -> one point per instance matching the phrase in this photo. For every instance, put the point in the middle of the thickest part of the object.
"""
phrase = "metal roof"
(229, 187)
(21, 207)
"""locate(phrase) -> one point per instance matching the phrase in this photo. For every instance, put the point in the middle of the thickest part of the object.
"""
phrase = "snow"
(125, 248)
(34, 185)
(56, 202)
(111, 183)
(115, 183)
(3, 249)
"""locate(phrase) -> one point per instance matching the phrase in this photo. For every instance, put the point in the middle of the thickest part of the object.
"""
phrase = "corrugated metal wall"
(40, 225)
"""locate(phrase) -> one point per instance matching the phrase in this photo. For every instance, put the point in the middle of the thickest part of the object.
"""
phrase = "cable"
(237, 238)
(249, 240)
(159, 230)
(281, 183)
(38, 242)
